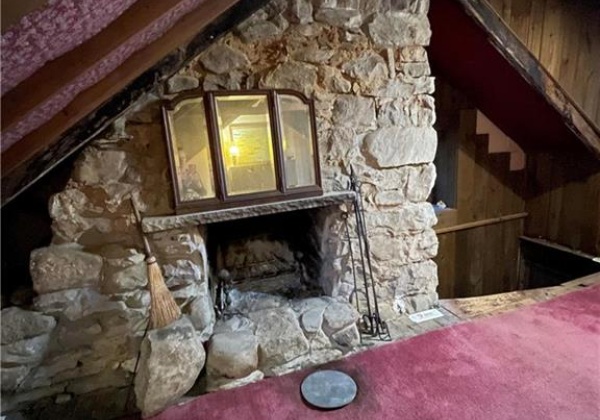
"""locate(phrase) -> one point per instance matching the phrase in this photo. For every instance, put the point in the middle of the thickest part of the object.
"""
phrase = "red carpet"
(540, 362)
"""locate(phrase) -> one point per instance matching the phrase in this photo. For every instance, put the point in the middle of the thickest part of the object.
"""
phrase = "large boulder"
(171, 359)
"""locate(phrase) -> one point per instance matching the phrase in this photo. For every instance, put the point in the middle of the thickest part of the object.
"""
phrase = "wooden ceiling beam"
(524, 62)
(94, 109)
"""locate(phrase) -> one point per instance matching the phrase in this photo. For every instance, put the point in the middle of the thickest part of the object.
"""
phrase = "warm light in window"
(234, 151)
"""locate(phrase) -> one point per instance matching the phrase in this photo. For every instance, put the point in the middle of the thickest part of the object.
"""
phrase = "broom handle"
(138, 218)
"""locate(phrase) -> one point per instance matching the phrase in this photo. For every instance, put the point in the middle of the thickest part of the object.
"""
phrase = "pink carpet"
(540, 362)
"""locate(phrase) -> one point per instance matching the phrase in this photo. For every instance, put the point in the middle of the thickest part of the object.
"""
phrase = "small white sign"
(425, 316)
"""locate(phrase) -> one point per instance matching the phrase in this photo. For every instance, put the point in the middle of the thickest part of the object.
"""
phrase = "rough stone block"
(23, 352)
(338, 315)
(411, 218)
(396, 146)
(171, 360)
(221, 58)
(180, 83)
(76, 303)
(232, 355)
(18, 324)
(342, 18)
(291, 75)
(12, 377)
(354, 111)
(398, 29)
(64, 267)
(279, 336)
(98, 166)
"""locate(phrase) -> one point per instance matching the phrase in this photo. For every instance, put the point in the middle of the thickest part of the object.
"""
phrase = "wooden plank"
(536, 28)
(508, 44)
(54, 76)
(46, 152)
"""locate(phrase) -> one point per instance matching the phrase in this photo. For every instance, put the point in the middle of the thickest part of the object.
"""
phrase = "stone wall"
(365, 65)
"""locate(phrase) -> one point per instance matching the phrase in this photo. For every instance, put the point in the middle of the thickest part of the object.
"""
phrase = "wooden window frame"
(222, 199)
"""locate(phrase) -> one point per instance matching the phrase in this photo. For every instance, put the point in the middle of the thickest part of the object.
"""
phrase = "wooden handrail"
(479, 223)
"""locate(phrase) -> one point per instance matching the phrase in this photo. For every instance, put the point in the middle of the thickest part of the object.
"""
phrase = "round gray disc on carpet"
(328, 389)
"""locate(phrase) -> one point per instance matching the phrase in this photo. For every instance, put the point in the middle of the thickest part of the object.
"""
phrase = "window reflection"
(246, 143)
(191, 150)
(297, 142)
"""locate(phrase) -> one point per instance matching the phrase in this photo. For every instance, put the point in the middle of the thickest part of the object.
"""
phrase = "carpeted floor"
(540, 362)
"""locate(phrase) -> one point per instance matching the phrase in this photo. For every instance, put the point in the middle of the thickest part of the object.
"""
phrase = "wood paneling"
(564, 201)
(565, 37)
(482, 259)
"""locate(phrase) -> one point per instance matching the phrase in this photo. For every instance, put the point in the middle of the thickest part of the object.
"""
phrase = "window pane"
(246, 145)
(191, 150)
(297, 142)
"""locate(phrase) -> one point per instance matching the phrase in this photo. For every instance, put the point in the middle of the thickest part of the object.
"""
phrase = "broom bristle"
(163, 308)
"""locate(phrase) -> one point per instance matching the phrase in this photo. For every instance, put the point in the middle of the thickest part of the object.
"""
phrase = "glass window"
(191, 150)
(246, 144)
(297, 141)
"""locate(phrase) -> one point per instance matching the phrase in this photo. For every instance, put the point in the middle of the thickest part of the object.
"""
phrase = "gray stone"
(396, 146)
(180, 83)
(411, 218)
(312, 320)
(235, 323)
(416, 69)
(232, 355)
(400, 30)
(12, 377)
(18, 324)
(107, 379)
(342, 18)
(137, 299)
(76, 303)
(421, 180)
(245, 302)
(11, 402)
(171, 360)
(279, 336)
(338, 315)
(367, 67)
(314, 358)
(254, 30)
(348, 338)
(28, 351)
(354, 111)
(221, 58)
(333, 80)
(230, 81)
(99, 166)
(313, 54)
(202, 314)
(128, 279)
(291, 75)
(401, 250)
(394, 89)
(63, 267)
(214, 384)
(300, 11)
(63, 398)
(391, 113)
(413, 54)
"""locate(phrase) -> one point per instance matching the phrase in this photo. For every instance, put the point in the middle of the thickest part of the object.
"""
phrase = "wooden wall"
(565, 38)
(484, 259)
(564, 201)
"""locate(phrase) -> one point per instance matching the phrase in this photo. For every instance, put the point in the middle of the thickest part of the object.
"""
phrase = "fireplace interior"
(271, 254)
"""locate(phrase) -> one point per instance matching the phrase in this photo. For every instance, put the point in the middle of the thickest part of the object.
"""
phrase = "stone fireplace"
(291, 293)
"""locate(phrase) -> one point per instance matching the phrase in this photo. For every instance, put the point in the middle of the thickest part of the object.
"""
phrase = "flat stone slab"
(329, 389)
(160, 223)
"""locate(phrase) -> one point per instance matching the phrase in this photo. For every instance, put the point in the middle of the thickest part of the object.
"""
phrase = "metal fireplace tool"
(372, 323)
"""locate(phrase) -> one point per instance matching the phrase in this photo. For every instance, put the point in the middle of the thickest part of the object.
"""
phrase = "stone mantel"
(161, 223)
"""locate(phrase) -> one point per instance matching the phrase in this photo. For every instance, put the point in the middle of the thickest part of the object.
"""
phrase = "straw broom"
(163, 309)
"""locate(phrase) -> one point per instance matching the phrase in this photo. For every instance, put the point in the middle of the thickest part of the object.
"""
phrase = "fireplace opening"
(275, 254)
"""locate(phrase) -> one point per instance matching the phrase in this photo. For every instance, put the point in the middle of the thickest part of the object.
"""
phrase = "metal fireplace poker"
(371, 322)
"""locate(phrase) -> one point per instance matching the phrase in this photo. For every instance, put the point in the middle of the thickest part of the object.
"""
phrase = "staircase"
(498, 142)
